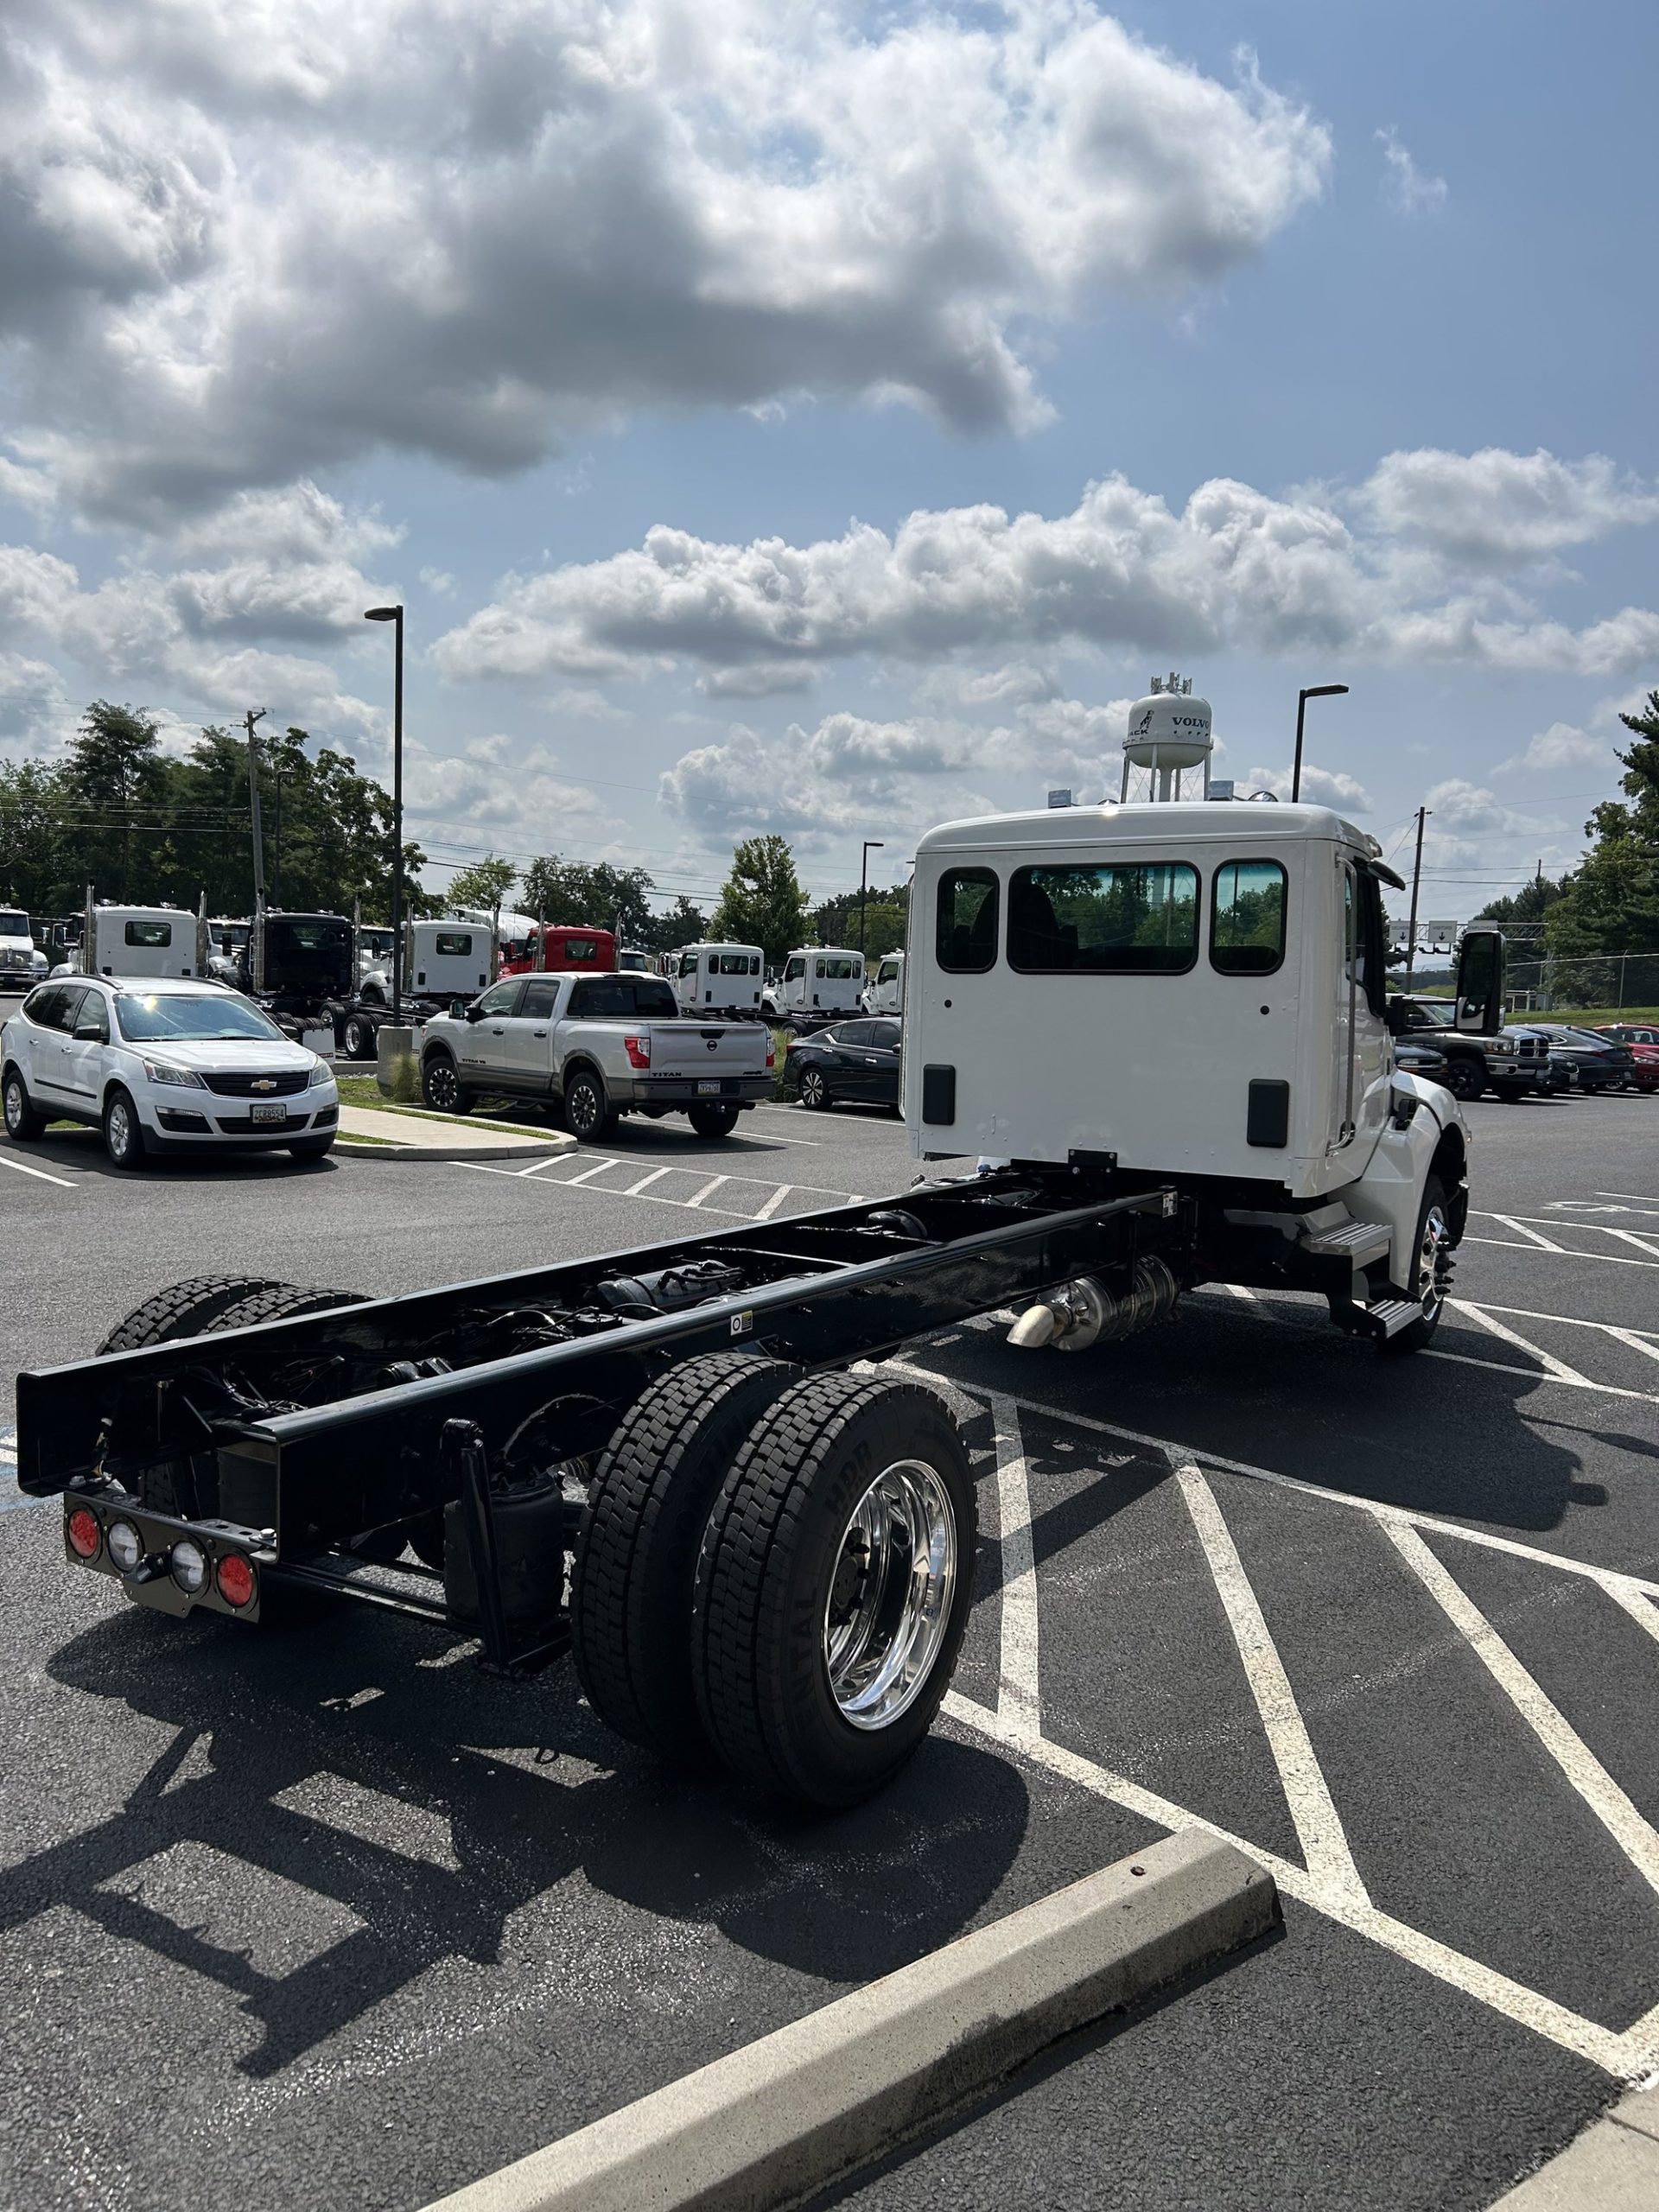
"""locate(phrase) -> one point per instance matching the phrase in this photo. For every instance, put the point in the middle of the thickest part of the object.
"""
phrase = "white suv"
(163, 1065)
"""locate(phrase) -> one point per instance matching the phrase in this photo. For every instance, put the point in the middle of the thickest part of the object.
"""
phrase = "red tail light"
(84, 1534)
(638, 1049)
(235, 1580)
(771, 1056)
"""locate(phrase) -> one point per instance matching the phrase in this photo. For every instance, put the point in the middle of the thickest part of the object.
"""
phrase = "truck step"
(1390, 1315)
(1359, 1241)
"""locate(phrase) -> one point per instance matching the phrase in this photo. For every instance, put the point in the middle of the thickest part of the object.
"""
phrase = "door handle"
(539, 1033)
(498, 1033)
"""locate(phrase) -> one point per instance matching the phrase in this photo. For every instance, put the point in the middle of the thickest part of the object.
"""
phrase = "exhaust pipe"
(1086, 1312)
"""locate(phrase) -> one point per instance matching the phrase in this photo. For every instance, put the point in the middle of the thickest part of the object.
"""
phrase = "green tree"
(595, 893)
(32, 862)
(762, 902)
(485, 884)
(683, 924)
(1611, 902)
(886, 916)
(113, 783)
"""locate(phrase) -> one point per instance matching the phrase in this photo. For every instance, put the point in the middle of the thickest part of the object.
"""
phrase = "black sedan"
(852, 1060)
(1598, 1063)
(1417, 1057)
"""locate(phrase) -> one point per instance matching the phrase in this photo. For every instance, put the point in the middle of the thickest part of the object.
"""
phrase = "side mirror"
(89, 1032)
(1396, 1019)
(474, 1012)
(1480, 983)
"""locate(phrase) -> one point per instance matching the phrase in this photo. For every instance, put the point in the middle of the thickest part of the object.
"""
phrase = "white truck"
(1166, 1021)
(818, 982)
(442, 960)
(21, 961)
(139, 941)
(728, 979)
(1192, 995)
(600, 1046)
(884, 990)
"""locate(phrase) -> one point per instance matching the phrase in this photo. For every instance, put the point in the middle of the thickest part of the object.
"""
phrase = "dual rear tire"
(774, 1574)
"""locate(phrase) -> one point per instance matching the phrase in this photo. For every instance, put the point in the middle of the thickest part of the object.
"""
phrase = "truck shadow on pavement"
(332, 1761)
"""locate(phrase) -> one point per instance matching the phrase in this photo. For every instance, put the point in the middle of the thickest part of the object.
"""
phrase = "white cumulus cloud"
(242, 240)
(1409, 190)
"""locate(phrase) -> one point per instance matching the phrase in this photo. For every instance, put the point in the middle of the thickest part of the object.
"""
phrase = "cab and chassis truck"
(1167, 1022)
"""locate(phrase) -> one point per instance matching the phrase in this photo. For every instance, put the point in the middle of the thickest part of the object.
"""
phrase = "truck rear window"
(151, 934)
(1246, 918)
(452, 945)
(737, 963)
(965, 942)
(623, 998)
(1125, 918)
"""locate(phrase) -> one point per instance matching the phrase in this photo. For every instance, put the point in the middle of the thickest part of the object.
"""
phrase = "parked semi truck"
(1167, 1020)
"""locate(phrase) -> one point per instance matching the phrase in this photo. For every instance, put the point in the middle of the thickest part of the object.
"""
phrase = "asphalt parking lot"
(336, 1919)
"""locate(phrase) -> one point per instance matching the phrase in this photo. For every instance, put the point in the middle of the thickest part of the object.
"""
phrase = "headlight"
(159, 1071)
(1500, 1044)
(320, 1073)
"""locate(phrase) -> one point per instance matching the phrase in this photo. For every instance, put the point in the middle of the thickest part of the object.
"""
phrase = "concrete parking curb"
(796, 2110)
(441, 1155)
(1614, 2166)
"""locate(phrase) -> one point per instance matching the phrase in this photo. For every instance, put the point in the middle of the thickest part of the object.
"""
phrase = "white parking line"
(645, 1182)
(587, 1174)
(707, 1191)
(1510, 1221)
(1018, 1697)
(1558, 1367)
(775, 1202)
(1635, 1837)
(1319, 1826)
(23, 1168)
(1595, 1259)
(1629, 1236)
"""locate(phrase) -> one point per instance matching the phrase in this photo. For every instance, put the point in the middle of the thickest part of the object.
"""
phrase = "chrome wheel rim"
(1431, 1254)
(13, 1106)
(812, 1089)
(442, 1087)
(888, 1604)
(120, 1129)
(584, 1109)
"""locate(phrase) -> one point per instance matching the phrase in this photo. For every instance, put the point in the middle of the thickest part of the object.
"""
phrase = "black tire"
(357, 1038)
(713, 1121)
(812, 1091)
(636, 1558)
(1510, 1092)
(24, 1121)
(189, 1309)
(442, 1088)
(1464, 1077)
(1416, 1334)
(771, 1566)
(312, 1147)
(588, 1114)
(123, 1136)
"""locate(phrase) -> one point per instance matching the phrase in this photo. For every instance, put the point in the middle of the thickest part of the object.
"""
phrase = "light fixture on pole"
(871, 845)
(1313, 691)
(395, 614)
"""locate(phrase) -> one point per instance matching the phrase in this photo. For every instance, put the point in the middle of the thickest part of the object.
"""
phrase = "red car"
(1644, 1050)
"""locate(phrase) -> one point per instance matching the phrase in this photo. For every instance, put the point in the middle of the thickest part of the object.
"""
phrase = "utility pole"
(256, 949)
(871, 845)
(1417, 878)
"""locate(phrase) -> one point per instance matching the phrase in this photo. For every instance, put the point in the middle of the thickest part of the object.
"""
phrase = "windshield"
(220, 1020)
(14, 925)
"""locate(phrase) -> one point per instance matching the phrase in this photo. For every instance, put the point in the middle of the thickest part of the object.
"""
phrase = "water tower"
(1168, 736)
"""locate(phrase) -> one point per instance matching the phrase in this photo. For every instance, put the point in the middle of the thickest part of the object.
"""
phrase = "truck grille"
(255, 1085)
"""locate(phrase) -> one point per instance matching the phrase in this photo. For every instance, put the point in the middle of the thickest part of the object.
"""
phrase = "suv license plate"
(708, 1090)
(270, 1113)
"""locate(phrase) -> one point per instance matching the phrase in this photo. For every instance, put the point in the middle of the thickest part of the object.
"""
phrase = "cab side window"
(794, 970)
(965, 921)
(539, 1001)
(498, 999)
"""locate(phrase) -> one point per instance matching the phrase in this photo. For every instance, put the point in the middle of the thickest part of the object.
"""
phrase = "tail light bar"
(639, 1051)
(142, 1549)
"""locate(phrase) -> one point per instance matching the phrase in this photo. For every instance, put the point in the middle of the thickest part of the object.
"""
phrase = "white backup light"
(187, 1564)
(125, 1546)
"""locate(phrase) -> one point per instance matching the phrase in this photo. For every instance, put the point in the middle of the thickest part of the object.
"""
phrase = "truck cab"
(560, 948)
(818, 982)
(1191, 992)
(21, 962)
(884, 990)
(728, 979)
(138, 941)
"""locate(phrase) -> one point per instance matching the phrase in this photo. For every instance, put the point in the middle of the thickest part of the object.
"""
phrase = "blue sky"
(673, 364)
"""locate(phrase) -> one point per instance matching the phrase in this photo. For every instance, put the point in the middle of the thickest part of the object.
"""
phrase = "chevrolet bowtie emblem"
(263, 1082)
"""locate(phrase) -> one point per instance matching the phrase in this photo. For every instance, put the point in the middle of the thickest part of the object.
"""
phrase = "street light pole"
(1313, 691)
(1417, 878)
(871, 845)
(395, 614)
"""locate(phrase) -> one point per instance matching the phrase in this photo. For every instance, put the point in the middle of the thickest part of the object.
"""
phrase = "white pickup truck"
(602, 1045)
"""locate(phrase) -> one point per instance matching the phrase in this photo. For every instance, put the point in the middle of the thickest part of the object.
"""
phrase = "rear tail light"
(126, 1546)
(187, 1564)
(86, 1537)
(771, 1056)
(638, 1049)
(235, 1578)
